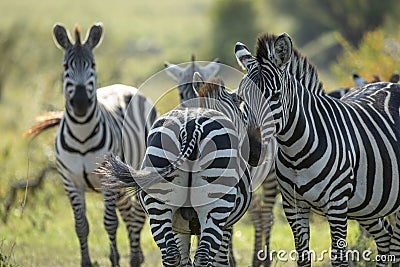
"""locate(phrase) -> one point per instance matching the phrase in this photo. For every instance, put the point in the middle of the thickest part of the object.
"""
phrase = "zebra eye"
(275, 96)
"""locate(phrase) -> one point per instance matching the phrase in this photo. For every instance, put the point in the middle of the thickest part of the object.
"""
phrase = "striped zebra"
(261, 207)
(193, 179)
(337, 157)
(113, 119)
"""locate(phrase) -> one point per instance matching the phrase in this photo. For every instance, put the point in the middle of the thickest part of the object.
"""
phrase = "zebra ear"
(395, 78)
(283, 50)
(244, 57)
(61, 37)
(198, 82)
(174, 71)
(94, 35)
(211, 69)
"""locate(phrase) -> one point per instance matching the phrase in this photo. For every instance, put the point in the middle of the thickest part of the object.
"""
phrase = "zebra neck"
(297, 105)
(82, 129)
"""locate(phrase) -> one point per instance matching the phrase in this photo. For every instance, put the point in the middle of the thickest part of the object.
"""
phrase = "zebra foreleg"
(77, 200)
(134, 218)
(255, 211)
(337, 219)
(110, 221)
(378, 229)
(298, 218)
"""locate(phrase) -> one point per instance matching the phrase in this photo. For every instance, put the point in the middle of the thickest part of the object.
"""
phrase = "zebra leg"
(337, 219)
(255, 211)
(267, 216)
(212, 233)
(110, 221)
(77, 200)
(298, 218)
(224, 256)
(395, 241)
(262, 217)
(134, 218)
(183, 243)
(160, 217)
(380, 231)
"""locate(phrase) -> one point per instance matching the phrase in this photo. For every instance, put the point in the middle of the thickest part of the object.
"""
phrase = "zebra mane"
(77, 31)
(210, 88)
(300, 67)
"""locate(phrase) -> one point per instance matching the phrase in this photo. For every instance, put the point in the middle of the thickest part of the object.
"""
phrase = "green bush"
(377, 54)
(232, 21)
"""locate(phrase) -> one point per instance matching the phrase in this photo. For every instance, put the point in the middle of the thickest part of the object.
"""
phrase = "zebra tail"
(119, 175)
(44, 122)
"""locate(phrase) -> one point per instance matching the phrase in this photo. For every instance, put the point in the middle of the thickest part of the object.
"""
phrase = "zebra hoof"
(137, 259)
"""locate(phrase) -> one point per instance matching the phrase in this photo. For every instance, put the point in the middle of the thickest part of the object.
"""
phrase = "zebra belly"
(375, 196)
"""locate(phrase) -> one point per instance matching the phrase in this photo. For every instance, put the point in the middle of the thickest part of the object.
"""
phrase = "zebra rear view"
(193, 181)
(95, 122)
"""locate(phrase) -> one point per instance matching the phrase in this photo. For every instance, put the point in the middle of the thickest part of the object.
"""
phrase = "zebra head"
(183, 76)
(79, 77)
(213, 95)
(261, 87)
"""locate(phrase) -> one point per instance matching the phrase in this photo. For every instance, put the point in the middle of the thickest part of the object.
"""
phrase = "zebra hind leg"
(77, 200)
(160, 219)
(134, 218)
(224, 256)
(211, 236)
(381, 232)
(110, 220)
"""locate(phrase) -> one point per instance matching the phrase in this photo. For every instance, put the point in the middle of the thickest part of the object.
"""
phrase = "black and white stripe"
(338, 157)
(261, 209)
(98, 121)
(193, 181)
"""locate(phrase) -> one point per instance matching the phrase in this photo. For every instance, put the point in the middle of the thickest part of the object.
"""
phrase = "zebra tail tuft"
(44, 122)
(118, 174)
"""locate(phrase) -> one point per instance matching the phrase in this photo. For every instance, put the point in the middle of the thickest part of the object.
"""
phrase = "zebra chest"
(78, 169)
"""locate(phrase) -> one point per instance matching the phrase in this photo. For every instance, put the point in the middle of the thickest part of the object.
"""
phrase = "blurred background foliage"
(340, 37)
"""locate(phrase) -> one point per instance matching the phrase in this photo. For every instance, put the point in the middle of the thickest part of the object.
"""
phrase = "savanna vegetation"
(38, 229)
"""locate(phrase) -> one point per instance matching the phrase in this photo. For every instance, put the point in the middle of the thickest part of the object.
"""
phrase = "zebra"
(113, 119)
(184, 76)
(261, 207)
(209, 164)
(336, 157)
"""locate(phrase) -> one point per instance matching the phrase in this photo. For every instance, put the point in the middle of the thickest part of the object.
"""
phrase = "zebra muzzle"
(80, 101)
